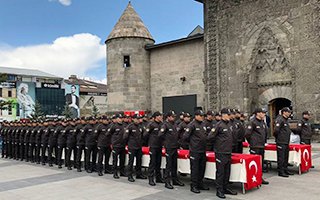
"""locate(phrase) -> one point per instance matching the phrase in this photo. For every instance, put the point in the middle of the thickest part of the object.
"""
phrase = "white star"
(254, 179)
(306, 164)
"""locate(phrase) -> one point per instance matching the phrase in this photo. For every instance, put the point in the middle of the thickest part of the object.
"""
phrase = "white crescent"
(306, 153)
(253, 163)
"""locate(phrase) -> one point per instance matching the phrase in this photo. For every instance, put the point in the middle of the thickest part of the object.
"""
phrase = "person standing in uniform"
(282, 133)
(4, 128)
(155, 149)
(32, 141)
(90, 144)
(118, 145)
(71, 133)
(240, 133)
(182, 129)
(52, 143)
(104, 146)
(44, 141)
(256, 132)
(304, 128)
(196, 134)
(134, 137)
(81, 143)
(208, 123)
(62, 141)
(38, 141)
(171, 136)
(223, 140)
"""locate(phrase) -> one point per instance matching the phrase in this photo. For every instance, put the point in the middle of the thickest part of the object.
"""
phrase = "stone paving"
(21, 180)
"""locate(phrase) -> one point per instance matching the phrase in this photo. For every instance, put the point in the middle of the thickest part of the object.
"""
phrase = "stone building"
(252, 53)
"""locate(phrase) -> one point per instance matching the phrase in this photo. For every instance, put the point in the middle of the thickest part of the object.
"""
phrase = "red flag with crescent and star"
(306, 159)
(254, 172)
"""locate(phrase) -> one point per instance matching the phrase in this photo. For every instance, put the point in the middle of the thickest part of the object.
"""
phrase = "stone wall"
(256, 46)
(128, 88)
(169, 64)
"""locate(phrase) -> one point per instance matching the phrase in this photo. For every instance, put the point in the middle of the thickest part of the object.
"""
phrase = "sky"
(65, 37)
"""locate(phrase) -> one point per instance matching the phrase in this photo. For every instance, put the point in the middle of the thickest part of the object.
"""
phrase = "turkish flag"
(306, 159)
(254, 171)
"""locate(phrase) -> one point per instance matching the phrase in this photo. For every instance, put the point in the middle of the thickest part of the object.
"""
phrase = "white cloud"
(65, 56)
(63, 2)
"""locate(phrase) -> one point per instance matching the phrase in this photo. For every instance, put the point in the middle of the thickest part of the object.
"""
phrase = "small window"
(0, 92)
(126, 61)
(9, 93)
(9, 110)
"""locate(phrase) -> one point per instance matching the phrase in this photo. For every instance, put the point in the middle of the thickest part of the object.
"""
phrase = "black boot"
(177, 182)
(151, 181)
(115, 175)
(168, 185)
(229, 191)
(100, 173)
(130, 178)
(79, 170)
(220, 194)
(159, 179)
(288, 173)
(141, 176)
(194, 189)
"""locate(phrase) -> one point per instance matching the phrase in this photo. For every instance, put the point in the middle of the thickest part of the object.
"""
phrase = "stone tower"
(128, 64)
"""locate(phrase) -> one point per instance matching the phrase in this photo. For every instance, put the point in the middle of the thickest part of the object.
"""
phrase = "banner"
(26, 98)
(72, 99)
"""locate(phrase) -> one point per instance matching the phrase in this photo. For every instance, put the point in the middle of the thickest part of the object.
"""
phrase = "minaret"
(128, 64)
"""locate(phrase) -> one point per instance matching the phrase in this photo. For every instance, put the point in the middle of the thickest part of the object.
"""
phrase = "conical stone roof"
(130, 25)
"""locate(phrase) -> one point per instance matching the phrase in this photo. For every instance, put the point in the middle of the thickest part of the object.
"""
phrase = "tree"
(4, 104)
(37, 111)
(67, 111)
(95, 111)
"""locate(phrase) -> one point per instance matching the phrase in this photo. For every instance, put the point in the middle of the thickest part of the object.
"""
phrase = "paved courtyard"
(21, 180)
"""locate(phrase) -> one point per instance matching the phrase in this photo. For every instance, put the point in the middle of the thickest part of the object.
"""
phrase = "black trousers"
(305, 141)
(171, 172)
(118, 153)
(258, 151)
(71, 148)
(17, 148)
(104, 152)
(32, 152)
(37, 153)
(135, 153)
(13, 151)
(80, 149)
(3, 150)
(155, 162)
(21, 151)
(91, 152)
(26, 151)
(52, 149)
(282, 157)
(198, 167)
(8, 151)
(223, 164)
(60, 150)
(44, 149)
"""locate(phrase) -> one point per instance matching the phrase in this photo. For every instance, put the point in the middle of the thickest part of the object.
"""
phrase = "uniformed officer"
(62, 140)
(256, 132)
(71, 143)
(38, 141)
(90, 144)
(134, 136)
(208, 123)
(182, 129)
(118, 145)
(196, 134)
(4, 128)
(80, 143)
(223, 140)
(32, 141)
(155, 149)
(240, 132)
(282, 133)
(21, 140)
(104, 146)
(171, 136)
(44, 141)
(26, 139)
(304, 128)
(52, 142)
(180, 119)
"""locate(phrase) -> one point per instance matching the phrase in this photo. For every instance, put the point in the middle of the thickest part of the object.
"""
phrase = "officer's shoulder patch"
(147, 130)
(249, 127)
(162, 130)
(109, 129)
(127, 131)
(187, 129)
(213, 130)
(204, 128)
(277, 124)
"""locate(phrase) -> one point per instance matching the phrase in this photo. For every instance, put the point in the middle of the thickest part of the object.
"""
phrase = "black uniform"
(32, 143)
(235, 126)
(182, 129)
(134, 135)
(155, 150)
(208, 124)
(38, 143)
(80, 145)
(26, 140)
(61, 143)
(223, 139)
(52, 144)
(21, 142)
(282, 134)
(4, 140)
(240, 138)
(116, 131)
(305, 131)
(71, 146)
(171, 137)
(196, 134)
(90, 146)
(104, 147)
(44, 143)
(256, 132)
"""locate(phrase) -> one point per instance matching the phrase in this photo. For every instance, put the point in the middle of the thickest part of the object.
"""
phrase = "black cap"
(103, 117)
(225, 111)
(156, 114)
(210, 113)
(233, 111)
(171, 113)
(199, 112)
(285, 109)
(237, 111)
(306, 113)
(118, 115)
(260, 110)
(89, 118)
(137, 116)
(186, 115)
(181, 113)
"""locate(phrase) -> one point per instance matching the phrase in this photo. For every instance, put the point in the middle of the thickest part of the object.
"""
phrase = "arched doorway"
(275, 106)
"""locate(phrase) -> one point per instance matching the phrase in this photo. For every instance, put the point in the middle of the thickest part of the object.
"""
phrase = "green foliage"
(5, 104)
(37, 111)
(67, 111)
